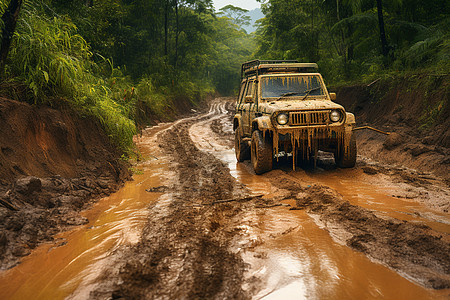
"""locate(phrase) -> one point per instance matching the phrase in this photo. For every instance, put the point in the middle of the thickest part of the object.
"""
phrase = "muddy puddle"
(296, 259)
(77, 258)
(371, 192)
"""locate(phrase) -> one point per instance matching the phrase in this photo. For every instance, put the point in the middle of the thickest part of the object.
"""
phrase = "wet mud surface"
(214, 229)
(209, 214)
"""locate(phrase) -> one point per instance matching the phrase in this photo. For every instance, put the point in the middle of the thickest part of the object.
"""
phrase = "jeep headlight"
(282, 119)
(335, 115)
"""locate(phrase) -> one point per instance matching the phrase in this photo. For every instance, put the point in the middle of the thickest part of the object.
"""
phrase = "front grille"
(309, 118)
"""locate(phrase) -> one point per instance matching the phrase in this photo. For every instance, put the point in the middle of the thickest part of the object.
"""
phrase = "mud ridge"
(416, 251)
(185, 248)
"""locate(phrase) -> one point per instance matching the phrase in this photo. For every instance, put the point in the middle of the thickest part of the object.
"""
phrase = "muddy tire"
(346, 158)
(241, 148)
(261, 152)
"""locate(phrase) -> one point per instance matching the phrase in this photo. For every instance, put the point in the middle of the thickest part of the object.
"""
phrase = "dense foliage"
(119, 59)
(115, 59)
(353, 39)
(174, 42)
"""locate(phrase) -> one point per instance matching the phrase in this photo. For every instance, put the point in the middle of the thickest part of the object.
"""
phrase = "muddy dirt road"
(196, 224)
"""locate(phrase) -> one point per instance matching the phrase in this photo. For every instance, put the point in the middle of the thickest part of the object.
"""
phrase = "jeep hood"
(297, 105)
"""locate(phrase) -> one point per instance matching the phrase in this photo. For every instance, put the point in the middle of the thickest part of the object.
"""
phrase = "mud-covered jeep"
(284, 109)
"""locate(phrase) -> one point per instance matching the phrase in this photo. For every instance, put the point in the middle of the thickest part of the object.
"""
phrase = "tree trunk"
(176, 33)
(384, 44)
(9, 19)
(337, 11)
(315, 50)
(341, 50)
(166, 24)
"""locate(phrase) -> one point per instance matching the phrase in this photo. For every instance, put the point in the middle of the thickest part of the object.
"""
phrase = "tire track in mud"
(185, 247)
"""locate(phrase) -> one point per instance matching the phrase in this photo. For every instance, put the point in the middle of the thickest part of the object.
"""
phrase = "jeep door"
(253, 109)
(247, 106)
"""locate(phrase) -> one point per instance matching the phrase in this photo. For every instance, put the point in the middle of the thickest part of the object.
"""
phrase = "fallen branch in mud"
(236, 199)
(240, 199)
(270, 206)
(371, 128)
(8, 205)
(158, 189)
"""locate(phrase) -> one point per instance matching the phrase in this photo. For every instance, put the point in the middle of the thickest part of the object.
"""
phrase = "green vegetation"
(119, 60)
(358, 39)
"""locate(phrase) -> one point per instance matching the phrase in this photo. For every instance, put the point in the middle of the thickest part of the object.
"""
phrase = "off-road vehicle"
(284, 109)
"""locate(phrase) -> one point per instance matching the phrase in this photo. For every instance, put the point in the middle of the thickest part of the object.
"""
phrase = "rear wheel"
(345, 157)
(241, 147)
(262, 152)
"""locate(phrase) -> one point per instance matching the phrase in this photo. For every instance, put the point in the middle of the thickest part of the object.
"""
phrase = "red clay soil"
(415, 110)
(52, 164)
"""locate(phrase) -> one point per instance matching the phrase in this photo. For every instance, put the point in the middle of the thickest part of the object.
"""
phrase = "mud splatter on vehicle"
(284, 108)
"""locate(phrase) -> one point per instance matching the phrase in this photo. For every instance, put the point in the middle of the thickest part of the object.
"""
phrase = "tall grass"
(55, 63)
(48, 55)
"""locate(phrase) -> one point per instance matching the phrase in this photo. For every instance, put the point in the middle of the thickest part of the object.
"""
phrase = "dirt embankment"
(52, 164)
(416, 110)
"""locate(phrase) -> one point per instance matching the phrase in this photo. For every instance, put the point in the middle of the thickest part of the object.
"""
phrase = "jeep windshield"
(282, 87)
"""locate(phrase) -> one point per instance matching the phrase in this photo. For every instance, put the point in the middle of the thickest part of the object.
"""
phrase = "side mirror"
(248, 99)
(333, 96)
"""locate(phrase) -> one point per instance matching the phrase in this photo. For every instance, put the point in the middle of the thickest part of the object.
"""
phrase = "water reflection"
(74, 262)
(370, 192)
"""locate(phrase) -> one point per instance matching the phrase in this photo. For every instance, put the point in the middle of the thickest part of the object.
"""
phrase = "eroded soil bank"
(415, 109)
(52, 165)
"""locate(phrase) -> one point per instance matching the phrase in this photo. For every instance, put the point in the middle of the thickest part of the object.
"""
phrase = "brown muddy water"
(289, 255)
(73, 262)
(374, 193)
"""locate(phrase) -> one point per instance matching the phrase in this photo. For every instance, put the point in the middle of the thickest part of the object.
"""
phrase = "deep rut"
(185, 247)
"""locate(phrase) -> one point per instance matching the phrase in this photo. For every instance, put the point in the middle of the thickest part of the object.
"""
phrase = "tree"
(236, 14)
(384, 44)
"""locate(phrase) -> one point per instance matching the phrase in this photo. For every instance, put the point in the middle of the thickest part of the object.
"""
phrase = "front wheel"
(261, 152)
(241, 147)
(345, 157)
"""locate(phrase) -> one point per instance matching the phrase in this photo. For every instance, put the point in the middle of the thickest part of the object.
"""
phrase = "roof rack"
(257, 67)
